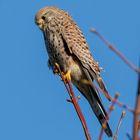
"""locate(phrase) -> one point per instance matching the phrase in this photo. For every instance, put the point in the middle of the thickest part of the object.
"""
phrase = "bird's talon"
(56, 69)
(67, 76)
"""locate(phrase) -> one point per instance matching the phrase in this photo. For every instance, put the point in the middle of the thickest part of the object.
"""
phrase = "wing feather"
(78, 47)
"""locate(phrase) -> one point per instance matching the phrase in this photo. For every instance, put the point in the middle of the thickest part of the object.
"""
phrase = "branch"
(130, 109)
(116, 133)
(137, 113)
(73, 100)
(110, 46)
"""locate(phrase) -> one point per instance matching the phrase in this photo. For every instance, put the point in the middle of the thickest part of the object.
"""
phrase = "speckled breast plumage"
(57, 52)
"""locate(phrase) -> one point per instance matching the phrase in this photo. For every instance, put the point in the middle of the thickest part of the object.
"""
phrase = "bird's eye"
(43, 17)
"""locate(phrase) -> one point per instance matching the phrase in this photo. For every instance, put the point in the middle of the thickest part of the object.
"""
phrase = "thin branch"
(132, 66)
(74, 101)
(130, 109)
(139, 125)
(108, 114)
(137, 113)
(120, 121)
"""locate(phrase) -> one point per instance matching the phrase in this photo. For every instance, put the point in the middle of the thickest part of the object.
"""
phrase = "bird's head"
(44, 15)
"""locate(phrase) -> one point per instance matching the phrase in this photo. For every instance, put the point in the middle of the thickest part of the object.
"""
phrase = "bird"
(67, 47)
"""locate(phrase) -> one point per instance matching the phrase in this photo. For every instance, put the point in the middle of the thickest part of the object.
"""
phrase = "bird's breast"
(59, 53)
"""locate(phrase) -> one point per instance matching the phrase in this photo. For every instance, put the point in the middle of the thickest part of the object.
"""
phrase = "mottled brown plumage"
(67, 46)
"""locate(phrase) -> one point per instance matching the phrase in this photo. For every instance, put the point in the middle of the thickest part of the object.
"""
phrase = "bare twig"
(108, 114)
(139, 125)
(130, 109)
(132, 66)
(137, 113)
(73, 100)
(120, 121)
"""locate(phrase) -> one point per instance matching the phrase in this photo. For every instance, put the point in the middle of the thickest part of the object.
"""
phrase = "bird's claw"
(67, 76)
(56, 69)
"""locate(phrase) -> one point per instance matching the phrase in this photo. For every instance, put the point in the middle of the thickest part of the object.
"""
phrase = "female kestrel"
(67, 47)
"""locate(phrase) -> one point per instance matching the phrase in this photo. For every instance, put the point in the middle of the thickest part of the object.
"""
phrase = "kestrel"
(66, 46)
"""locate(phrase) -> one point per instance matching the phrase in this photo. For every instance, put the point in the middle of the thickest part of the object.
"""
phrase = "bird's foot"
(67, 76)
(56, 69)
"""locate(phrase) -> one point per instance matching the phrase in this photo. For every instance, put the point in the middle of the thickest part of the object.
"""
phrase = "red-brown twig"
(130, 109)
(139, 129)
(132, 66)
(120, 121)
(74, 101)
(108, 114)
(136, 113)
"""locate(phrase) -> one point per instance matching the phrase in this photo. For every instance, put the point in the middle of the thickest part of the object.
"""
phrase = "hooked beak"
(39, 23)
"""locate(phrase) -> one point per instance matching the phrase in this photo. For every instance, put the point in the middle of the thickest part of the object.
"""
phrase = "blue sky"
(32, 100)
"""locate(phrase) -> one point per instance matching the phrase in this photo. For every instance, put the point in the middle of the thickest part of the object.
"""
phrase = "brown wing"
(78, 46)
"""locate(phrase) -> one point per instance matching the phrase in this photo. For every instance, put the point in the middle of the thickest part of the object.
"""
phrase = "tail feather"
(101, 114)
(94, 100)
(91, 94)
